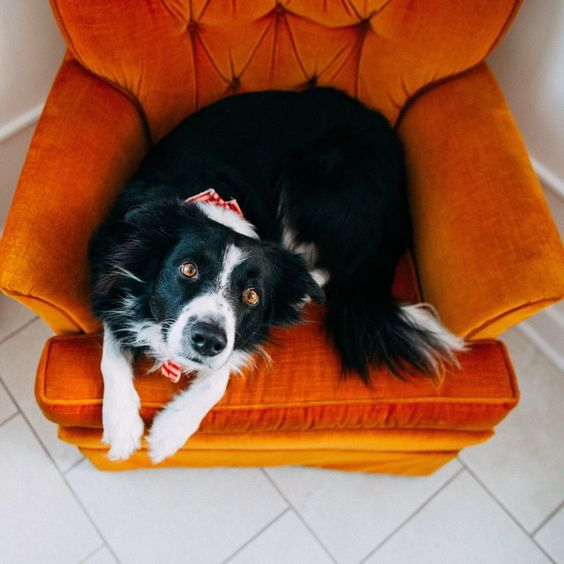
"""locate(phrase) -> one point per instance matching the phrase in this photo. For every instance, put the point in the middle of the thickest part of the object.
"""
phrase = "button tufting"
(364, 24)
(192, 26)
(312, 82)
(278, 10)
(235, 83)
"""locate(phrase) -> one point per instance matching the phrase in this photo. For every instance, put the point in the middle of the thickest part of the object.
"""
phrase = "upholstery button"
(312, 82)
(235, 83)
(364, 24)
(192, 26)
(278, 10)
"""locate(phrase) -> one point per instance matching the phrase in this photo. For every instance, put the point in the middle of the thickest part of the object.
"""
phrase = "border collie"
(318, 212)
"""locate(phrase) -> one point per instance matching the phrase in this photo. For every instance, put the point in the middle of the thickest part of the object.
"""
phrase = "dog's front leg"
(123, 426)
(180, 419)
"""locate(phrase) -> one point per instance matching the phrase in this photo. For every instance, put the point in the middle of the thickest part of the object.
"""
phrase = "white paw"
(168, 433)
(123, 429)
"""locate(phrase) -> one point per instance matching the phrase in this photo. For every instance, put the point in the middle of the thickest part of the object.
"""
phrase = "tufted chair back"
(174, 56)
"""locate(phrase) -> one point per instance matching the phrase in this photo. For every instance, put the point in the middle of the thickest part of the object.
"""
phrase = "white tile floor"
(499, 502)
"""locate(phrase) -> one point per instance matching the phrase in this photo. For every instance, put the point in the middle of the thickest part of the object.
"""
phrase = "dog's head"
(207, 281)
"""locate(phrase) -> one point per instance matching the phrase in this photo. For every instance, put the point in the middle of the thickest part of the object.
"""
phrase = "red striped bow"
(210, 196)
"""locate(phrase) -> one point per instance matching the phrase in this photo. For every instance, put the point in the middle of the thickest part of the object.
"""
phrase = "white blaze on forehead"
(233, 256)
(229, 218)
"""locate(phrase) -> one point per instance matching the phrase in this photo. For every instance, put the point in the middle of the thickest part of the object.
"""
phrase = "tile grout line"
(541, 351)
(74, 465)
(506, 511)
(9, 418)
(16, 331)
(100, 548)
(60, 472)
(257, 534)
(534, 356)
(298, 514)
(411, 516)
(89, 517)
(547, 519)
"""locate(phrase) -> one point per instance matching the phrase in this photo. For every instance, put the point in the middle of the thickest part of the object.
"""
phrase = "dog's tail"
(404, 337)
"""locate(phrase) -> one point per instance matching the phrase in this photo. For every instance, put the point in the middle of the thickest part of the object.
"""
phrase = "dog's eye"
(189, 269)
(251, 296)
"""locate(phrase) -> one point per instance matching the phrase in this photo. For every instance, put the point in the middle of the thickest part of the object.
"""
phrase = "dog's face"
(217, 289)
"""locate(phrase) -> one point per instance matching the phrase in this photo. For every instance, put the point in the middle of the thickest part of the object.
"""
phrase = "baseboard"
(548, 178)
(20, 122)
(546, 331)
(553, 187)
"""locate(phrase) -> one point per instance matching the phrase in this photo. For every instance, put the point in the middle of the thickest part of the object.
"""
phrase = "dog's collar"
(170, 369)
(210, 196)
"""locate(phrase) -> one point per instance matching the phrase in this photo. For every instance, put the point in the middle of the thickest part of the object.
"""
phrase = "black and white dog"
(321, 183)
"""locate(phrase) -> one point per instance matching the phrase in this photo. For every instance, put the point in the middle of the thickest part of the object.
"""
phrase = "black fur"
(317, 162)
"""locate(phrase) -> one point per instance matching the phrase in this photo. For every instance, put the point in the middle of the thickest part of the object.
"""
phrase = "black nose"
(207, 339)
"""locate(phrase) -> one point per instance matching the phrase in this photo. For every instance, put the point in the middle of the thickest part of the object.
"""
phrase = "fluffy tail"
(405, 338)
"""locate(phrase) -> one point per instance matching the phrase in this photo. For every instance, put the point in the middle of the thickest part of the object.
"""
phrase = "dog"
(317, 211)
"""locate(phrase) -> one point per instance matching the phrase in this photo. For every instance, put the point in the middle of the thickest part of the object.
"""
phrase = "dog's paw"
(123, 430)
(168, 434)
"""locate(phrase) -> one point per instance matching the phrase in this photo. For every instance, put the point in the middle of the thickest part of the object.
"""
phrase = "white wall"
(31, 51)
(529, 65)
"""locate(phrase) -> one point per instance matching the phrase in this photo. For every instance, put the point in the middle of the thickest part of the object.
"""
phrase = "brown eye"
(251, 296)
(189, 269)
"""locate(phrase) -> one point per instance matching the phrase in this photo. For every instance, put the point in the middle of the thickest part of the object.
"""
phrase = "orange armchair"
(486, 252)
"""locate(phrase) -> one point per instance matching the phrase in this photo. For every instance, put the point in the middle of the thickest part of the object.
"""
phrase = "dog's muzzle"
(206, 339)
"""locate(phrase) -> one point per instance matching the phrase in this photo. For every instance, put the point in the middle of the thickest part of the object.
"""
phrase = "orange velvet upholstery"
(89, 140)
(301, 390)
(486, 251)
(478, 209)
(297, 402)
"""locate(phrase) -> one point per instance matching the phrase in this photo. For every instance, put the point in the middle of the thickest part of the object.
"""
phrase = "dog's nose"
(207, 339)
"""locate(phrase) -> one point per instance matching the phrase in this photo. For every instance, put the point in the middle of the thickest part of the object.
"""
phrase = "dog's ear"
(292, 284)
(142, 238)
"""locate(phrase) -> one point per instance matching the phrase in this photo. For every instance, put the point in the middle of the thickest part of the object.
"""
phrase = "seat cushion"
(300, 389)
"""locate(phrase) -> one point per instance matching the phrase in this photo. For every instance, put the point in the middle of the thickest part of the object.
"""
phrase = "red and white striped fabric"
(211, 196)
(170, 369)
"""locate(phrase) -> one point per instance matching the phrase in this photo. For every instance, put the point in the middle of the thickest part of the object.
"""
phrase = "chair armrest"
(487, 251)
(89, 140)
